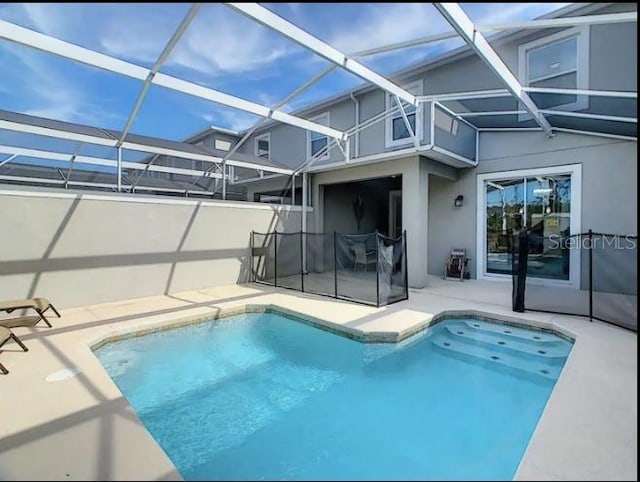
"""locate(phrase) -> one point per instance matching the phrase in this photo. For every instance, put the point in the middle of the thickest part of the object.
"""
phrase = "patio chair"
(40, 305)
(361, 255)
(5, 336)
(456, 265)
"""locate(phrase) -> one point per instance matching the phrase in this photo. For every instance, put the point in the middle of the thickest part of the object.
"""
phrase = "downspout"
(356, 144)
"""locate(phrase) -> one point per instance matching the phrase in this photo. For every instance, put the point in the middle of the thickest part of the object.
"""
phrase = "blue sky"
(221, 49)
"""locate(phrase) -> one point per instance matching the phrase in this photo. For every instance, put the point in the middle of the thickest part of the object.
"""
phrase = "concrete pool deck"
(82, 428)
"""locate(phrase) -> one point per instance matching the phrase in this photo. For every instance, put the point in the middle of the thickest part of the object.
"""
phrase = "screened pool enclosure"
(538, 87)
(548, 95)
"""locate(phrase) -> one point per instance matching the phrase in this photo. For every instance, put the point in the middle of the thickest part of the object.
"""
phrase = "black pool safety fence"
(589, 274)
(365, 268)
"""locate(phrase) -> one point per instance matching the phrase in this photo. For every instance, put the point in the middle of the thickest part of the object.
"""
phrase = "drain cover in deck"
(60, 375)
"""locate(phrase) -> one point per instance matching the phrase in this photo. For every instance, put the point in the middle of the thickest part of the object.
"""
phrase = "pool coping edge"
(335, 328)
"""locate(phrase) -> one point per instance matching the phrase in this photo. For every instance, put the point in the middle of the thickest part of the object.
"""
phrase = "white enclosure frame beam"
(305, 195)
(596, 134)
(164, 55)
(71, 161)
(44, 180)
(587, 115)
(405, 45)
(562, 22)
(97, 161)
(68, 50)
(584, 115)
(476, 41)
(8, 159)
(224, 181)
(269, 19)
(56, 133)
(595, 93)
(293, 189)
(201, 157)
(119, 169)
(141, 175)
(405, 119)
(474, 94)
(491, 113)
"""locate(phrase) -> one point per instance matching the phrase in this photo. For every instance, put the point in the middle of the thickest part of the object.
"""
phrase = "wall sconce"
(458, 200)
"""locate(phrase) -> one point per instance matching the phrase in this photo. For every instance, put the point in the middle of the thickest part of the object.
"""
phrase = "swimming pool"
(259, 396)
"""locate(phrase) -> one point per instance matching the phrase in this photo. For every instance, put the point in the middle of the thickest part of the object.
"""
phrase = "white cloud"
(383, 24)
(50, 92)
(503, 12)
(44, 18)
(125, 36)
(218, 41)
(230, 119)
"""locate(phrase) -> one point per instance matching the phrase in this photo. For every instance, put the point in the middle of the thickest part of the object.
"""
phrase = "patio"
(82, 427)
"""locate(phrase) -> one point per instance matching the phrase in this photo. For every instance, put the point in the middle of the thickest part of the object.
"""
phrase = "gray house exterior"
(505, 172)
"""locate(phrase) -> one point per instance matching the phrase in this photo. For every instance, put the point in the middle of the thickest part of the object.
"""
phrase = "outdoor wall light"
(458, 201)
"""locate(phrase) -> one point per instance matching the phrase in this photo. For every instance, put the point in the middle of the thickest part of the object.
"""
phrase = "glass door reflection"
(548, 212)
(505, 212)
(538, 204)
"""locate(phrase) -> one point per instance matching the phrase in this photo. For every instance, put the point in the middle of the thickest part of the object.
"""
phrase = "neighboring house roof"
(211, 130)
(80, 178)
(110, 136)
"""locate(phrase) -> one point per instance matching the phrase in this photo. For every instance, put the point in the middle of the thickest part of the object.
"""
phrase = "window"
(559, 61)
(445, 121)
(222, 145)
(396, 132)
(278, 197)
(541, 201)
(316, 142)
(270, 198)
(263, 146)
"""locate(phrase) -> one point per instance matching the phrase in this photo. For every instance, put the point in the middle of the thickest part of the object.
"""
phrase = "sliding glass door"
(504, 214)
(538, 202)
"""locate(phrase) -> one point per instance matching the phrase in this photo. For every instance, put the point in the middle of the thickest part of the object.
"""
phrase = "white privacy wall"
(79, 248)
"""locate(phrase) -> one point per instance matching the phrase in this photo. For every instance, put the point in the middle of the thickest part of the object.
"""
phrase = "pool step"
(553, 352)
(508, 332)
(498, 358)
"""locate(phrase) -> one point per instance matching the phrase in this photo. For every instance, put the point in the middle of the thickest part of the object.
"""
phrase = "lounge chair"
(5, 336)
(40, 305)
(20, 322)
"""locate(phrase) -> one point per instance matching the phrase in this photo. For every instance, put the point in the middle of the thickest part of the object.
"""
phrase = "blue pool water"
(259, 396)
